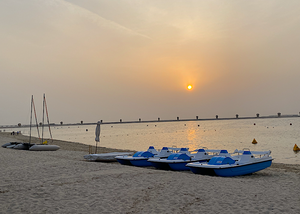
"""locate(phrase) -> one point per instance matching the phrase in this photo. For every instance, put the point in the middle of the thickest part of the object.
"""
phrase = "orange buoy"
(254, 141)
(296, 148)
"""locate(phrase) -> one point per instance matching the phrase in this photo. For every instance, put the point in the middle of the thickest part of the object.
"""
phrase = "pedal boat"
(141, 158)
(178, 161)
(228, 166)
(163, 163)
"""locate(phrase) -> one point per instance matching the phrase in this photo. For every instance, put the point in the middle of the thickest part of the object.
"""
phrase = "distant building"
(279, 114)
(257, 115)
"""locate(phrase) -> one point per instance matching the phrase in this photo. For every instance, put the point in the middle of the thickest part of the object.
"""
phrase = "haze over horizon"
(131, 59)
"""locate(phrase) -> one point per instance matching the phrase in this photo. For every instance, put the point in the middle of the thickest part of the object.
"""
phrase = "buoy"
(296, 148)
(254, 141)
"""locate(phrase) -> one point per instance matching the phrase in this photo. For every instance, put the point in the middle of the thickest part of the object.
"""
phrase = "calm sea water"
(276, 134)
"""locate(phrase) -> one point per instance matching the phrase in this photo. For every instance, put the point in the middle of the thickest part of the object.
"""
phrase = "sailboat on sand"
(44, 144)
(35, 147)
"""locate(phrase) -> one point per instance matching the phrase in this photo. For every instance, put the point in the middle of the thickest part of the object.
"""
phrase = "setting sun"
(189, 87)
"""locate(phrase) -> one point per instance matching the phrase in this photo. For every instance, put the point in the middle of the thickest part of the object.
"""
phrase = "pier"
(177, 119)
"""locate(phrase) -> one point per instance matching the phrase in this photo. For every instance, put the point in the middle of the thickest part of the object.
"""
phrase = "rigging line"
(48, 118)
(37, 125)
(43, 118)
(30, 119)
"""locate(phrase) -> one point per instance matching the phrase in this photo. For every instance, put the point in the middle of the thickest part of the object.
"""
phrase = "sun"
(189, 87)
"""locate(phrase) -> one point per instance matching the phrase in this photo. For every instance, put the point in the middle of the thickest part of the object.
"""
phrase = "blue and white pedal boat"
(162, 162)
(141, 158)
(228, 166)
(179, 160)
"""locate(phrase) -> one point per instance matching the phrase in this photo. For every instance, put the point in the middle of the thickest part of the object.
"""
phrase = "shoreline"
(63, 182)
(64, 145)
(76, 146)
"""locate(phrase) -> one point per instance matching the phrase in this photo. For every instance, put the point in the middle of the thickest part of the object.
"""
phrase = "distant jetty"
(279, 115)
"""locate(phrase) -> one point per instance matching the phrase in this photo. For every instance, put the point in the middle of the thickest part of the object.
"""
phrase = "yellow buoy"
(296, 148)
(254, 141)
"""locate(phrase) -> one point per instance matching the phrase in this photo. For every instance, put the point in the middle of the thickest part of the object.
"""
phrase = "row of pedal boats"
(201, 161)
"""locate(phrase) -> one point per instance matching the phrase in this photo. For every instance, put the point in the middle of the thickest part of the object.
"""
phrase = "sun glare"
(189, 87)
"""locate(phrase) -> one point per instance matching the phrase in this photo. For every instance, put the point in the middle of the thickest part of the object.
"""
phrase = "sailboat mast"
(36, 122)
(48, 118)
(30, 119)
(43, 118)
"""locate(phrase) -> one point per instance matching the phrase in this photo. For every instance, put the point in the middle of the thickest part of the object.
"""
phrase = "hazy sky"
(130, 59)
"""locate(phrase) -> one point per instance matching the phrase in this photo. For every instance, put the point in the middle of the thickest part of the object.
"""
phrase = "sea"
(279, 135)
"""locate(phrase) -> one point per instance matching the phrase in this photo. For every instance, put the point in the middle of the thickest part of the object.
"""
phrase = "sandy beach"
(63, 182)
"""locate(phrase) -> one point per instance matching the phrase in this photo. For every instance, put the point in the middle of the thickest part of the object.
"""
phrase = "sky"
(129, 59)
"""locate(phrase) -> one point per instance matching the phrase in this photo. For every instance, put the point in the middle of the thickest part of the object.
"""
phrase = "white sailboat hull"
(44, 148)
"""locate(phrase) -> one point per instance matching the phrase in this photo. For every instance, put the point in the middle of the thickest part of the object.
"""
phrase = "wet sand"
(63, 182)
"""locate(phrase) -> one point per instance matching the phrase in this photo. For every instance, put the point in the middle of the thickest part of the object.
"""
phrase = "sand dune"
(63, 182)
